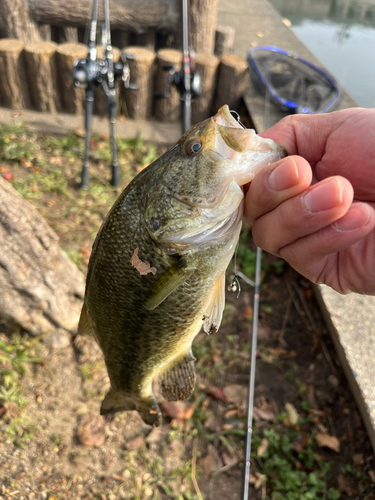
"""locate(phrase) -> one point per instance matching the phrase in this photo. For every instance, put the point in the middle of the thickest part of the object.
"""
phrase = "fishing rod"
(91, 72)
(187, 81)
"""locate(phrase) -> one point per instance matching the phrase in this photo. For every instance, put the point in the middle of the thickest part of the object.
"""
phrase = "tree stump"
(203, 20)
(167, 109)
(207, 66)
(13, 84)
(142, 72)
(45, 32)
(146, 40)
(224, 40)
(120, 38)
(41, 288)
(232, 81)
(17, 22)
(100, 100)
(40, 63)
(64, 34)
(70, 97)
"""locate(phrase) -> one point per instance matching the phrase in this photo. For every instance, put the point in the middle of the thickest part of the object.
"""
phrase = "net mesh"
(291, 80)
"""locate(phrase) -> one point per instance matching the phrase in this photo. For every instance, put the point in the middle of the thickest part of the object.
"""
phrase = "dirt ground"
(309, 440)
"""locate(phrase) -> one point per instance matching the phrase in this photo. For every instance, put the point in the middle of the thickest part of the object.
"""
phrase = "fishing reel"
(176, 78)
(91, 72)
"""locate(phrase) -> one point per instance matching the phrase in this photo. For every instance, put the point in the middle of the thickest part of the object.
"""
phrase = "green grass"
(292, 475)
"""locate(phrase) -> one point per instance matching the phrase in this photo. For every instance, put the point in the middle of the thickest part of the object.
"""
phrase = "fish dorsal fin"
(177, 381)
(215, 307)
(84, 325)
(172, 278)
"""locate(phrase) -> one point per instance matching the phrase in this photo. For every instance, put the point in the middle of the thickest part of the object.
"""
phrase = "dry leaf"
(181, 410)
(257, 480)
(344, 486)
(236, 393)
(358, 459)
(263, 447)
(292, 413)
(211, 462)
(135, 443)
(216, 393)
(143, 267)
(328, 441)
(90, 431)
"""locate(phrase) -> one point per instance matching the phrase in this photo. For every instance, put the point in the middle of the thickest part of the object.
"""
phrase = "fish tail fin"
(147, 407)
(177, 380)
(84, 325)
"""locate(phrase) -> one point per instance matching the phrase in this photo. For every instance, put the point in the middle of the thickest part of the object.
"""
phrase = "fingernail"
(324, 196)
(356, 217)
(284, 176)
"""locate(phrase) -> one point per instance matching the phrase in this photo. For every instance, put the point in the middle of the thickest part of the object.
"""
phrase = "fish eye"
(194, 146)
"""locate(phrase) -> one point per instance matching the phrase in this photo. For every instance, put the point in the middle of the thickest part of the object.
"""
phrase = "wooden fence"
(38, 75)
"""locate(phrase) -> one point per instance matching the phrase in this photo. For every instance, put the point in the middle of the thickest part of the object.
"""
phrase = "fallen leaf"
(344, 486)
(135, 443)
(216, 393)
(211, 462)
(263, 447)
(143, 267)
(181, 410)
(328, 441)
(235, 393)
(80, 132)
(292, 413)
(358, 459)
(229, 458)
(257, 480)
(90, 431)
(156, 435)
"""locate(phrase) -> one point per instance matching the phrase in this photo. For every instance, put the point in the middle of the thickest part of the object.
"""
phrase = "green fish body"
(157, 269)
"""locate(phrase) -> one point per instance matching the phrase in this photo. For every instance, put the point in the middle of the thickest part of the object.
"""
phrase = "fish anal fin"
(85, 322)
(171, 279)
(177, 380)
(147, 407)
(215, 306)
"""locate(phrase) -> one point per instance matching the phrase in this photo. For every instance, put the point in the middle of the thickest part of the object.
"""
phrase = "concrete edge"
(336, 332)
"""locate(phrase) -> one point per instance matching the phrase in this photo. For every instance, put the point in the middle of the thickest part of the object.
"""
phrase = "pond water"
(341, 33)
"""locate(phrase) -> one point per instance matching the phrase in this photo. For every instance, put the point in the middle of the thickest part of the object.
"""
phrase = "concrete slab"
(351, 321)
(162, 133)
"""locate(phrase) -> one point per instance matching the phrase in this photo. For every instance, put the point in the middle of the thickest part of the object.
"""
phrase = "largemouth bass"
(157, 270)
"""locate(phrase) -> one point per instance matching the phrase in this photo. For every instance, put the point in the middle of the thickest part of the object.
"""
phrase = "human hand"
(316, 209)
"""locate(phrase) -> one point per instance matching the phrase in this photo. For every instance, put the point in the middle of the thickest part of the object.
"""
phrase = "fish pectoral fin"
(171, 279)
(84, 325)
(177, 381)
(215, 307)
(147, 407)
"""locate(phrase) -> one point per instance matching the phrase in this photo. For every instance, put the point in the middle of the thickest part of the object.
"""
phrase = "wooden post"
(167, 109)
(13, 84)
(100, 100)
(64, 34)
(70, 97)
(40, 63)
(45, 32)
(142, 73)
(203, 20)
(207, 66)
(147, 39)
(17, 22)
(120, 38)
(232, 81)
(224, 40)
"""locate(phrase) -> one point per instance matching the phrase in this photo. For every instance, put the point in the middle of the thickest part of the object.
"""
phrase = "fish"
(156, 274)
